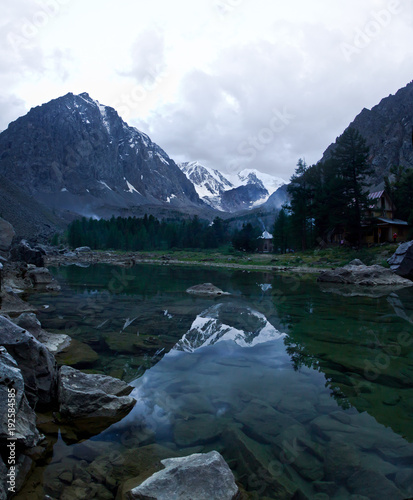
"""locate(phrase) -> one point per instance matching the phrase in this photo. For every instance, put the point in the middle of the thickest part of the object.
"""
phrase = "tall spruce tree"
(349, 161)
(301, 201)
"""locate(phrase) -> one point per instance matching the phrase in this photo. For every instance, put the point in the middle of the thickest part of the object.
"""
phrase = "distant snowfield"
(210, 183)
(270, 182)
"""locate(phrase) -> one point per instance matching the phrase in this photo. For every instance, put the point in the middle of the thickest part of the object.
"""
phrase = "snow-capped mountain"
(247, 189)
(228, 322)
(207, 182)
(253, 176)
(76, 154)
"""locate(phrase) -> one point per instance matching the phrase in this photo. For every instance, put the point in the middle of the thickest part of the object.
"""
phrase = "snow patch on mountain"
(252, 176)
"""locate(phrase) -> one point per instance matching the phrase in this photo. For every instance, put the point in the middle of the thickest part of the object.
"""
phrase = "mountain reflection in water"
(303, 392)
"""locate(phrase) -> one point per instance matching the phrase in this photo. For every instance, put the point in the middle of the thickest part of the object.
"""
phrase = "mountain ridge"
(387, 128)
(75, 154)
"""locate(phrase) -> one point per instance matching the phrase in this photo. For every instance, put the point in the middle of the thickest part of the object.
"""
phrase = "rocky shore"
(36, 393)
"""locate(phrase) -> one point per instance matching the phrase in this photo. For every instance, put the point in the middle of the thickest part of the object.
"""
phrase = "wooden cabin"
(380, 225)
(266, 242)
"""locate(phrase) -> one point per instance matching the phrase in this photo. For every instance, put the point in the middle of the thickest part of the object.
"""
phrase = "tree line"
(148, 233)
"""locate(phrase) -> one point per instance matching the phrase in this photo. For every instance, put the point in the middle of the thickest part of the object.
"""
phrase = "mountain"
(277, 199)
(387, 128)
(75, 154)
(207, 182)
(231, 193)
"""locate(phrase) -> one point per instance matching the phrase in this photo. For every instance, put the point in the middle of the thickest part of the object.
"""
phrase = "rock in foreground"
(206, 289)
(401, 262)
(37, 364)
(199, 476)
(84, 395)
(12, 391)
(359, 274)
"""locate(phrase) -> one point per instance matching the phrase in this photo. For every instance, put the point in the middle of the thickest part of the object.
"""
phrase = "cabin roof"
(266, 236)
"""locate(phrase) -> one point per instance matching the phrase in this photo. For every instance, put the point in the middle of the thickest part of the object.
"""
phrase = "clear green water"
(307, 391)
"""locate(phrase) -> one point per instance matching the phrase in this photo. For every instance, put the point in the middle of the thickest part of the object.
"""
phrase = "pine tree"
(350, 162)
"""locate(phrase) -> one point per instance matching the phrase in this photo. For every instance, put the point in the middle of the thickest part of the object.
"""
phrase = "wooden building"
(266, 242)
(380, 225)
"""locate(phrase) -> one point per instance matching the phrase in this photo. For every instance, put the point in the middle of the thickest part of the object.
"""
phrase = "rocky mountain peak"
(387, 128)
(76, 154)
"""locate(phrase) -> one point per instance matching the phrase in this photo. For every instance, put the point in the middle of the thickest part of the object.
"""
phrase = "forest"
(322, 197)
(148, 233)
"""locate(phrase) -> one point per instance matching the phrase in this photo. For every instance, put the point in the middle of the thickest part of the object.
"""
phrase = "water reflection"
(304, 392)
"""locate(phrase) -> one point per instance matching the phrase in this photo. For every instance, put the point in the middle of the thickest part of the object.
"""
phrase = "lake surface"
(306, 390)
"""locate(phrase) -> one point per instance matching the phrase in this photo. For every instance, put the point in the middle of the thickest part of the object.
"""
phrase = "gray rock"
(41, 276)
(84, 395)
(373, 485)
(206, 289)
(83, 249)
(401, 262)
(55, 342)
(356, 262)
(363, 276)
(199, 476)
(404, 480)
(25, 253)
(7, 234)
(12, 384)
(36, 363)
(3, 480)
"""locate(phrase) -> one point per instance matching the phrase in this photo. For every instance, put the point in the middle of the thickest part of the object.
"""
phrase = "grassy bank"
(319, 258)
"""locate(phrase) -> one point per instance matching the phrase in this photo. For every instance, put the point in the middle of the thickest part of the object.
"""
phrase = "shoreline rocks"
(37, 364)
(356, 273)
(401, 262)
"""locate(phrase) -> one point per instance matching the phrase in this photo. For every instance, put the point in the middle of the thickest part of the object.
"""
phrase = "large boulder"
(401, 262)
(83, 395)
(26, 253)
(7, 234)
(55, 342)
(204, 476)
(359, 274)
(37, 364)
(12, 397)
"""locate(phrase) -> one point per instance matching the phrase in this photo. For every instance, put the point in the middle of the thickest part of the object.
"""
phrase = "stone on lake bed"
(206, 289)
(204, 476)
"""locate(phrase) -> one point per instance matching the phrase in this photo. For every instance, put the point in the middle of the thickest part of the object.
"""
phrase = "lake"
(305, 389)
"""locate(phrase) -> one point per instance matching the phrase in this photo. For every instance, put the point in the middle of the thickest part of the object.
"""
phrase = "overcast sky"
(232, 83)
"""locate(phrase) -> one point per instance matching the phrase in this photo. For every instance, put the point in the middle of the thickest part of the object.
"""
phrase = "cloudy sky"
(232, 83)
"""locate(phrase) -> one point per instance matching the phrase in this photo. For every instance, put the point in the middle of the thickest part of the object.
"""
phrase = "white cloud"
(229, 82)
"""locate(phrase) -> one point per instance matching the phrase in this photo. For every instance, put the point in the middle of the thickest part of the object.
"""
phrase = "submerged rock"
(84, 395)
(401, 262)
(202, 476)
(206, 289)
(359, 274)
